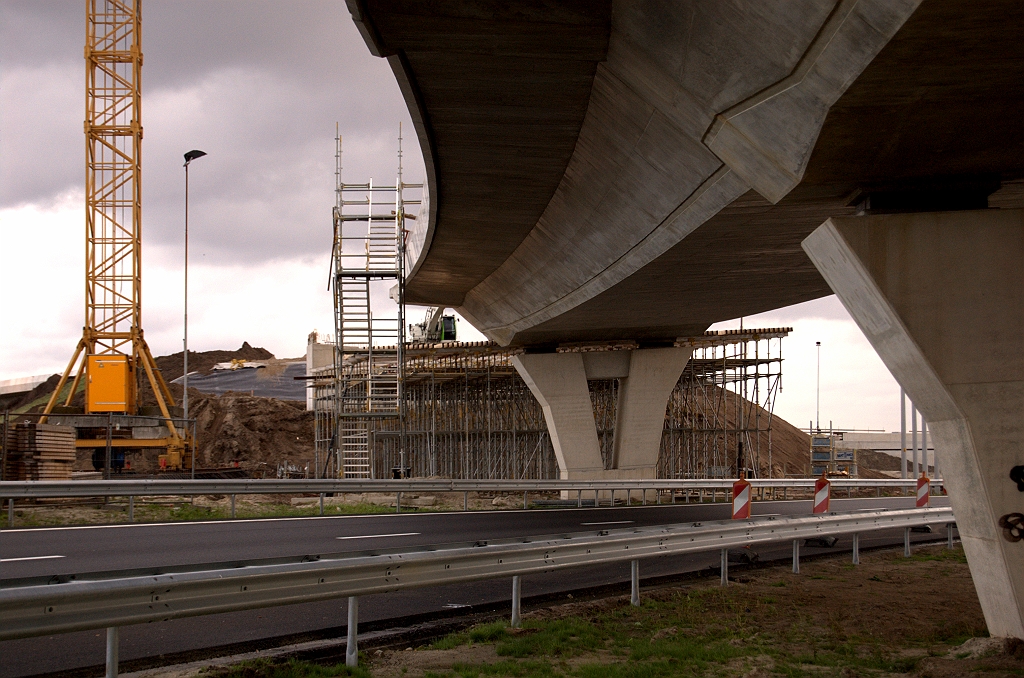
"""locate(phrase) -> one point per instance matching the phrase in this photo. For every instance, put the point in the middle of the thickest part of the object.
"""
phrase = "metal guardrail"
(77, 605)
(139, 488)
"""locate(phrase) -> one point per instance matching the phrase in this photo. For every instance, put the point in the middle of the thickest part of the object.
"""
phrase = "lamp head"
(192, 155)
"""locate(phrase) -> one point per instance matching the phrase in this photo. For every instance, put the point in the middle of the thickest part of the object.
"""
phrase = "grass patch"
(943, 556)
(265, 668)
(529, 669)
(484, 633)
(833, 620)
(31, 515)
(559, 638)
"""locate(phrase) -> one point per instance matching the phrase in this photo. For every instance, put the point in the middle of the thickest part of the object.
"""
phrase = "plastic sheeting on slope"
(268, 382)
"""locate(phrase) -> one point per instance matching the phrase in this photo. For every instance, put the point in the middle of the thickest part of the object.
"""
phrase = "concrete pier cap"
(646, 378)
(940, 297)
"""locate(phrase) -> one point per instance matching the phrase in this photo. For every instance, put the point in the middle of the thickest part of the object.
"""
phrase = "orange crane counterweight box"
(108, 386)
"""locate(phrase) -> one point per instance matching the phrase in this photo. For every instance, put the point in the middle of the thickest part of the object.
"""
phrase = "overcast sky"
(259, 87)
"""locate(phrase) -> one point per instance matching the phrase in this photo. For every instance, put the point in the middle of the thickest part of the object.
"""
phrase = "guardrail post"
(657, 497)
(233, 506)
(611, 503)
(10, 512)
(856, 549)
(634, 574)
(796, 556)
(579, 498)
(517, 591)
(351, 643)
(596, 499)
(949, 536)
(465, 501)
(725, 567)
(525, 506)
(785, 493)
(906, 542)
(321, 503)
(628, 496)
(398, 502)
(131, 509)
(643, 501)
(112, 643)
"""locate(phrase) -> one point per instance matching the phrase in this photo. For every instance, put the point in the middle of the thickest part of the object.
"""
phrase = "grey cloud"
(258, 86)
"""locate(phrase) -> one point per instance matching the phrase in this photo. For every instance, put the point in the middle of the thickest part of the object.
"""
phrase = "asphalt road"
(84, 549)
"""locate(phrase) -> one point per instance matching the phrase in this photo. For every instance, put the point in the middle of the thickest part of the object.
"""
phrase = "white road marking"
(612, 522)
(375, 536)
(15, 560)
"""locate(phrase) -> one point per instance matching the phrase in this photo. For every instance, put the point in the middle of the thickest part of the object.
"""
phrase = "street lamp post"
(189, 157)
(817, 397)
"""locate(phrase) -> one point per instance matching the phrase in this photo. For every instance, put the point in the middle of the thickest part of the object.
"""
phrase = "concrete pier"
(940, 296)
(646, 379)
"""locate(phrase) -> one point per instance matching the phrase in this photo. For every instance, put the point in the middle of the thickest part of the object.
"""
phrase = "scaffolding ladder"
(368, 276)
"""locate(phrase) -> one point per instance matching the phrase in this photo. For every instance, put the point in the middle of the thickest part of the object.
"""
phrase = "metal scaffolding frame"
(368, 262)
(469, 415)
(719, 417)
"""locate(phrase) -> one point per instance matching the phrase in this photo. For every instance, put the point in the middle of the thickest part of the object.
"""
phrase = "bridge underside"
(640, 170)
(620, 170)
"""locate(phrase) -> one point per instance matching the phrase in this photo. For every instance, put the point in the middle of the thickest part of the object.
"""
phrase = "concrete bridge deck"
(600, 170)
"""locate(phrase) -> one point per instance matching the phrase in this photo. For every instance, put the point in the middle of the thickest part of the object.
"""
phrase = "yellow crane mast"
(112, 350)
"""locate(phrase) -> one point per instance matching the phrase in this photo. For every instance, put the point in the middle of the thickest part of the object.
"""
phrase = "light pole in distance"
(817, 397)
(189, 157)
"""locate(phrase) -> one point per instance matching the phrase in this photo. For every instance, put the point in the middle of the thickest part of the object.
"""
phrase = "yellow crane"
(112, 353)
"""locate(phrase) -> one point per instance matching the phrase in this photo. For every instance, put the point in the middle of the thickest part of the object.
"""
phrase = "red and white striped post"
(924, 490)
(740, 500)
(822, 494)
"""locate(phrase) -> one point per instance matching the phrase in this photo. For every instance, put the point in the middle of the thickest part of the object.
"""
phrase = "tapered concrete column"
(559, 382)
(646, 379)
(940, 296)
(640, 411)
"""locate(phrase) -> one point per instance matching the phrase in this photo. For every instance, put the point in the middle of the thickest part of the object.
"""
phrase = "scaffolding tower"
(368, 260)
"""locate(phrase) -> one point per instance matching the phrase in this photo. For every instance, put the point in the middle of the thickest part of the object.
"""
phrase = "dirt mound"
(790, 446)
(173, 366)
(879, 461)
(256, 432)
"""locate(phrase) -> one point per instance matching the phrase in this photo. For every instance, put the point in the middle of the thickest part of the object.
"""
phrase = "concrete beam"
(940, 296)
